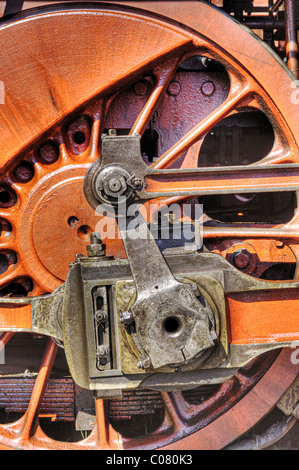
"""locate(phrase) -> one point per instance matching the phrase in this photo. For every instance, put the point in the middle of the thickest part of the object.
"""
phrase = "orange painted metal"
(263, 317)
(18, 317)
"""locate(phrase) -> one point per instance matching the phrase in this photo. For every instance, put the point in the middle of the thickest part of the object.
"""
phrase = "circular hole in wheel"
(79, 137)
(7, 197)
(72, 221)
(84, 232)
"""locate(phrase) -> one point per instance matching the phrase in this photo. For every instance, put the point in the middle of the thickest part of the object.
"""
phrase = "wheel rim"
(34, 175)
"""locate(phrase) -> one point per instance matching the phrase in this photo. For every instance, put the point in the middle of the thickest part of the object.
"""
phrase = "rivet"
(174, 88)
(48, 153)
(241, 259)
(24, 172)
(140, 88)
(143, 362)
(208, 88)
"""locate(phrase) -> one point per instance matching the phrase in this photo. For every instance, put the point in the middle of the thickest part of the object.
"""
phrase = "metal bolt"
(241, 259)
(136, 183)
(103, 350)
(49, 153)
(95, 250)
(94, 238)
(103, 354)
(174, 88)
(144, 362)
(101, 316)
(140, 88)
(114, 184)
(96, 247)
(208, 88)
(126, 318)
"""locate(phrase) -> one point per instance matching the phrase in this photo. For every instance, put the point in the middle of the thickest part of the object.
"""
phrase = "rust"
(24, 172)
(136, 402)
(78, 135)
(58, 400)
(174, 88)
(140, 88)
(48, 153)
(241, 259)
(208, 88)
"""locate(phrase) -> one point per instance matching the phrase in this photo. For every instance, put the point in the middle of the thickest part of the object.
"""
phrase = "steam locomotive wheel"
(69, 74)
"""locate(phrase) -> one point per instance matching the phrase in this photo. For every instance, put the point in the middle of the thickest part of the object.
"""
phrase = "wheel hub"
(56, 223)
(111, 183)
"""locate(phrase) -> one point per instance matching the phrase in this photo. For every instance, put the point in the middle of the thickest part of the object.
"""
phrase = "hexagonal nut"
(95, 250)
(241, 258)
(144, 362)
(101, 316)
(126, 318)
(136, 183)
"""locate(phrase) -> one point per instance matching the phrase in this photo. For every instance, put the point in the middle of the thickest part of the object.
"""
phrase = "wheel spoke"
(106, 437)
(98, 126)
(94, 139)
(102, 426)
(7, 243)
(172, 411)
(30, 418)
(5, 338)
(164, 76)
(237, 97)
(14, 271)
(279, 156)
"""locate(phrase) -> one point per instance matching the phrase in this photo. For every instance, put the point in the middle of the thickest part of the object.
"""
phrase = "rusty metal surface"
(57, 403)
(136, 402)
